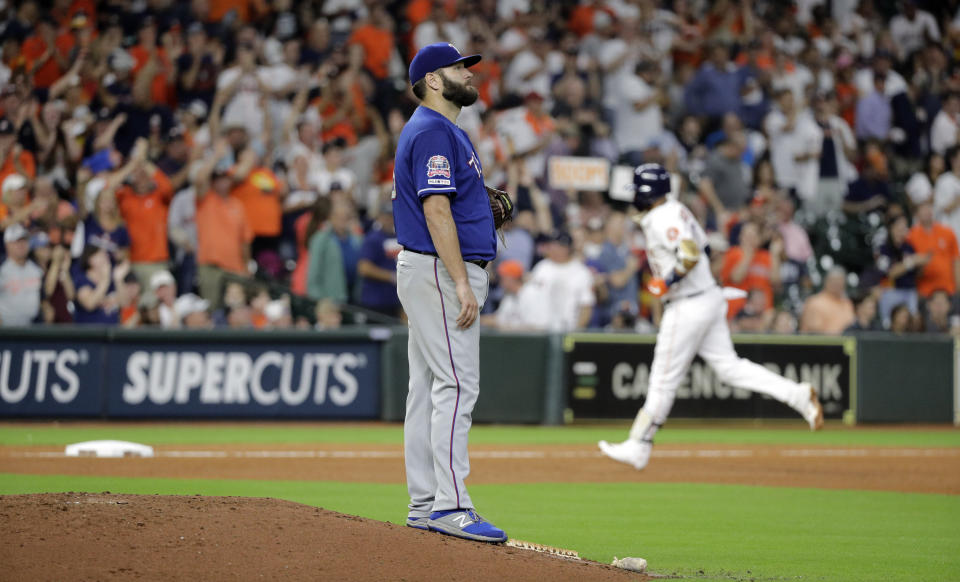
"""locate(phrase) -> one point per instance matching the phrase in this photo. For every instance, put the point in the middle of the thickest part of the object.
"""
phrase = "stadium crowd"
(176, 163)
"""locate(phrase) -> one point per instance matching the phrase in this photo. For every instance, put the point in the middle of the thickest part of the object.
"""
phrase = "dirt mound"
(100, 536)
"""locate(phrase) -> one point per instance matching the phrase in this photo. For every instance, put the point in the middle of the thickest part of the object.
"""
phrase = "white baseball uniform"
(695, 322)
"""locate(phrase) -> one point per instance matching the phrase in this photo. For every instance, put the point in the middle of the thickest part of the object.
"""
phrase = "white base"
(110, 449)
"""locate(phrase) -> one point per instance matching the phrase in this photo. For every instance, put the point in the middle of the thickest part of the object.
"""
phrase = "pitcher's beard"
(460, 95)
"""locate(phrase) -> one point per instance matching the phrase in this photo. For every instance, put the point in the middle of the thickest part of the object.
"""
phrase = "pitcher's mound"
(99, 536)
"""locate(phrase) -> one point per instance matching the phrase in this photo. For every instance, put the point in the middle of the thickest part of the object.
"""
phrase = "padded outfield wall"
(361, 373)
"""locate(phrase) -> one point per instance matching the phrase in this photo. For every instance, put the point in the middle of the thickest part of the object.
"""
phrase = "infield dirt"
(87, 536)
(909, 470)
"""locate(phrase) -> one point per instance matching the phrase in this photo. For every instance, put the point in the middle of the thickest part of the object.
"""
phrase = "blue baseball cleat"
(467, 524)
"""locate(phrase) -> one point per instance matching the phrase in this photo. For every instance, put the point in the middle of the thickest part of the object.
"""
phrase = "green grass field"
(680, 432)
(700, 531)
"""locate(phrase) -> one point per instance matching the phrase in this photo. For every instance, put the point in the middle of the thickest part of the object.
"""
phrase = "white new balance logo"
(463, 520)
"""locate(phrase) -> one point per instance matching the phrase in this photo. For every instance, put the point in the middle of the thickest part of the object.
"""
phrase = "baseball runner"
(694, 320)
(446, 221)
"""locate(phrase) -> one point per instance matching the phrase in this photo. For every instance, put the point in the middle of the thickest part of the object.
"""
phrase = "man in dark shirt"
(197, 69)
(176, 155)
(377, 266)
(865, 309)
(899, 261)
(871, 191)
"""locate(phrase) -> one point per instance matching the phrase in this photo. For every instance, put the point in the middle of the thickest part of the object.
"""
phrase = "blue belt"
(478, 262)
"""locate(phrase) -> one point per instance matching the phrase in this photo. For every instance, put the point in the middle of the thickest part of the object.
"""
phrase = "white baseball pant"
(698, 325)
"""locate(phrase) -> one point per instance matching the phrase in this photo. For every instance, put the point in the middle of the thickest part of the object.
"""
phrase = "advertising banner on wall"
(50, 378)
(328, 380)
(607, 377)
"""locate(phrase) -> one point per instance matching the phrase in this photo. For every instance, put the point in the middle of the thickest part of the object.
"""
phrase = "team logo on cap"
(438, 166)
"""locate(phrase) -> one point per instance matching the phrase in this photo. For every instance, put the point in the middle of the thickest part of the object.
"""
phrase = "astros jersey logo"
(438, 166)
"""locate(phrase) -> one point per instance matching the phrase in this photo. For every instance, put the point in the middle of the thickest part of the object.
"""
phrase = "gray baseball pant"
(444, 382)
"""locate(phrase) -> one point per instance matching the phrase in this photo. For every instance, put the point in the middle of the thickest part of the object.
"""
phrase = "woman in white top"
(920, 185)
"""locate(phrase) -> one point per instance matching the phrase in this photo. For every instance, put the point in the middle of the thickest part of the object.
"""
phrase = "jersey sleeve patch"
(438, 167)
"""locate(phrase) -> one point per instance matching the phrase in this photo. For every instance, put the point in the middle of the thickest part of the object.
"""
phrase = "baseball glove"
(500, 205)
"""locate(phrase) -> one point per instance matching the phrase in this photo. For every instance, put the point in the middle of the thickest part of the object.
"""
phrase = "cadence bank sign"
(202, 380)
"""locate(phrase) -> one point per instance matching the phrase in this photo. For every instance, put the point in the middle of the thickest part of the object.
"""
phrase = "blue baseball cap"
(437, 56)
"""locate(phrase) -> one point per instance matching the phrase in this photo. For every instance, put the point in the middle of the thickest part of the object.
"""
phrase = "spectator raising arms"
(144, 202)
(58, 289)
(104, 227)
(223, 233)
(99, 288)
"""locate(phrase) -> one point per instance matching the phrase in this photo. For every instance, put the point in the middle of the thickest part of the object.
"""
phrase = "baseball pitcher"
(446, 221)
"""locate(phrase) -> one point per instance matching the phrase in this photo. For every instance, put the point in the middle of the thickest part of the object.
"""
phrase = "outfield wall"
(361, 373)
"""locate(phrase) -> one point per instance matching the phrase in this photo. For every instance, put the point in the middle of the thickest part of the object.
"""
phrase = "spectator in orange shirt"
(223, 233)
(13, 158)
(144, 203)
(64, 12)
(829, 311)
(372, 43)
(419, 10)
(940, 243)
(262, 193)
(846, 89)
(487, 73)
(43, 61)
(77, 37)
(583, 17)
(750, 267)
(241, 10)
(343, 109)
(162, 72)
